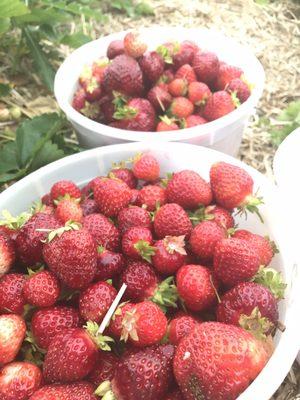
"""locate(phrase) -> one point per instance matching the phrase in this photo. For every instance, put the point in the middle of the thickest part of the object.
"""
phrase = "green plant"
(287, 121)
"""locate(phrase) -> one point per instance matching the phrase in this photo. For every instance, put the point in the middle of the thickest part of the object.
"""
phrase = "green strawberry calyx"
(145, 250)
(175, 244)
(104, 390)
(271, 279)
(102, 342)
(14, 223)
(69, 226)
(166, 294)
(256, 324)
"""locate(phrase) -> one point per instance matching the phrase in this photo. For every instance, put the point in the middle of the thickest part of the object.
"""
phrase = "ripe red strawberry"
(220, 215)
(188, 189)
(204, 238)
(239, 88)
(196, 286)
(181, 107)
(235, 261)
(111, 195)
(218, 105)
(170, 254)
(125, 175)
(12, 334)
(48, 322)
(172, 220)
(180, 327)
(186, 72)
(68, 209)
(134, 45)
(19, 380)
(160, 98)
(133, 216)
(79, 99)
(185, 54)
(78, 391)
(29, 242)
(103, 231)
(175, 395)
(7, 253)
(151, 196)
(89, 206)
(206, 66)
(145, 374)
(232, 187)
(11, 293)
(251, 306)
(194, 120)
(124, 75)
(72, 257)
(72, 347)
(109, 264)
(265, 248)
(198, 93)
(104, 368)
(41, 289)
(95, 301)
(226, 74)
(146, 167)
(166, 124)
(115, 48)
(137, 115)
(152, 66)
(61, 188)
(228, 353)
(178, 87)
(137, 243)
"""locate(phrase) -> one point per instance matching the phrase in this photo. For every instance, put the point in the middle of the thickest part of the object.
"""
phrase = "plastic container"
(173, 157)
(224, 134)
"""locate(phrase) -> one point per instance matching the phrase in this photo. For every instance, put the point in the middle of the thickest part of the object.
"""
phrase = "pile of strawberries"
(176, 86)
(200, 305)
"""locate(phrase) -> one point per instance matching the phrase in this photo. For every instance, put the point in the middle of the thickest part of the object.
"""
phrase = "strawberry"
(103, 231)
(137, 115)
(235, 261)
(160, 98)
(151, 196)
(11, 293)
(251, 306)
(178, 87)
(218, 105)
(141, 375)
(232, 187)
(239, 88)
(134, 45)
(186, 72)
(79, 99)
(111, 195)
(95, 301)
(152, 66)
(166, 124)
(78, 391)
(61, 188)
(172, 220)
(220, 215)
(72, 256)
(89, 206)
(196, 287)
(48, 322)
(29, 242)
(185, 54)
(198, 93)
(206, 66)
(19, 380)
(228, 353)
(41, 289)
(71, 347)
(124, 75)
(226, 74)
(137, 243)
(181, 107)
(265, 248)
(125, 175)
(109, 264)
(170, 254)
(115, 48)
(12, 334)
(204, 238)
(104, 368)
(194, 120)
(68, 209)
(146, 167)
(180, 327)
(133, 217)
(7, 253)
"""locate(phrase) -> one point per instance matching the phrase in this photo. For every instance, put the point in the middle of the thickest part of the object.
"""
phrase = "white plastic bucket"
(224, 134)
(173, 157)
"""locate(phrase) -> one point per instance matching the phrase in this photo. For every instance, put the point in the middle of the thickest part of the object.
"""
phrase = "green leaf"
(4, 25)
(42, 65)
(4, 89)
(75, 40)
(49, 153)
(12, 8)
